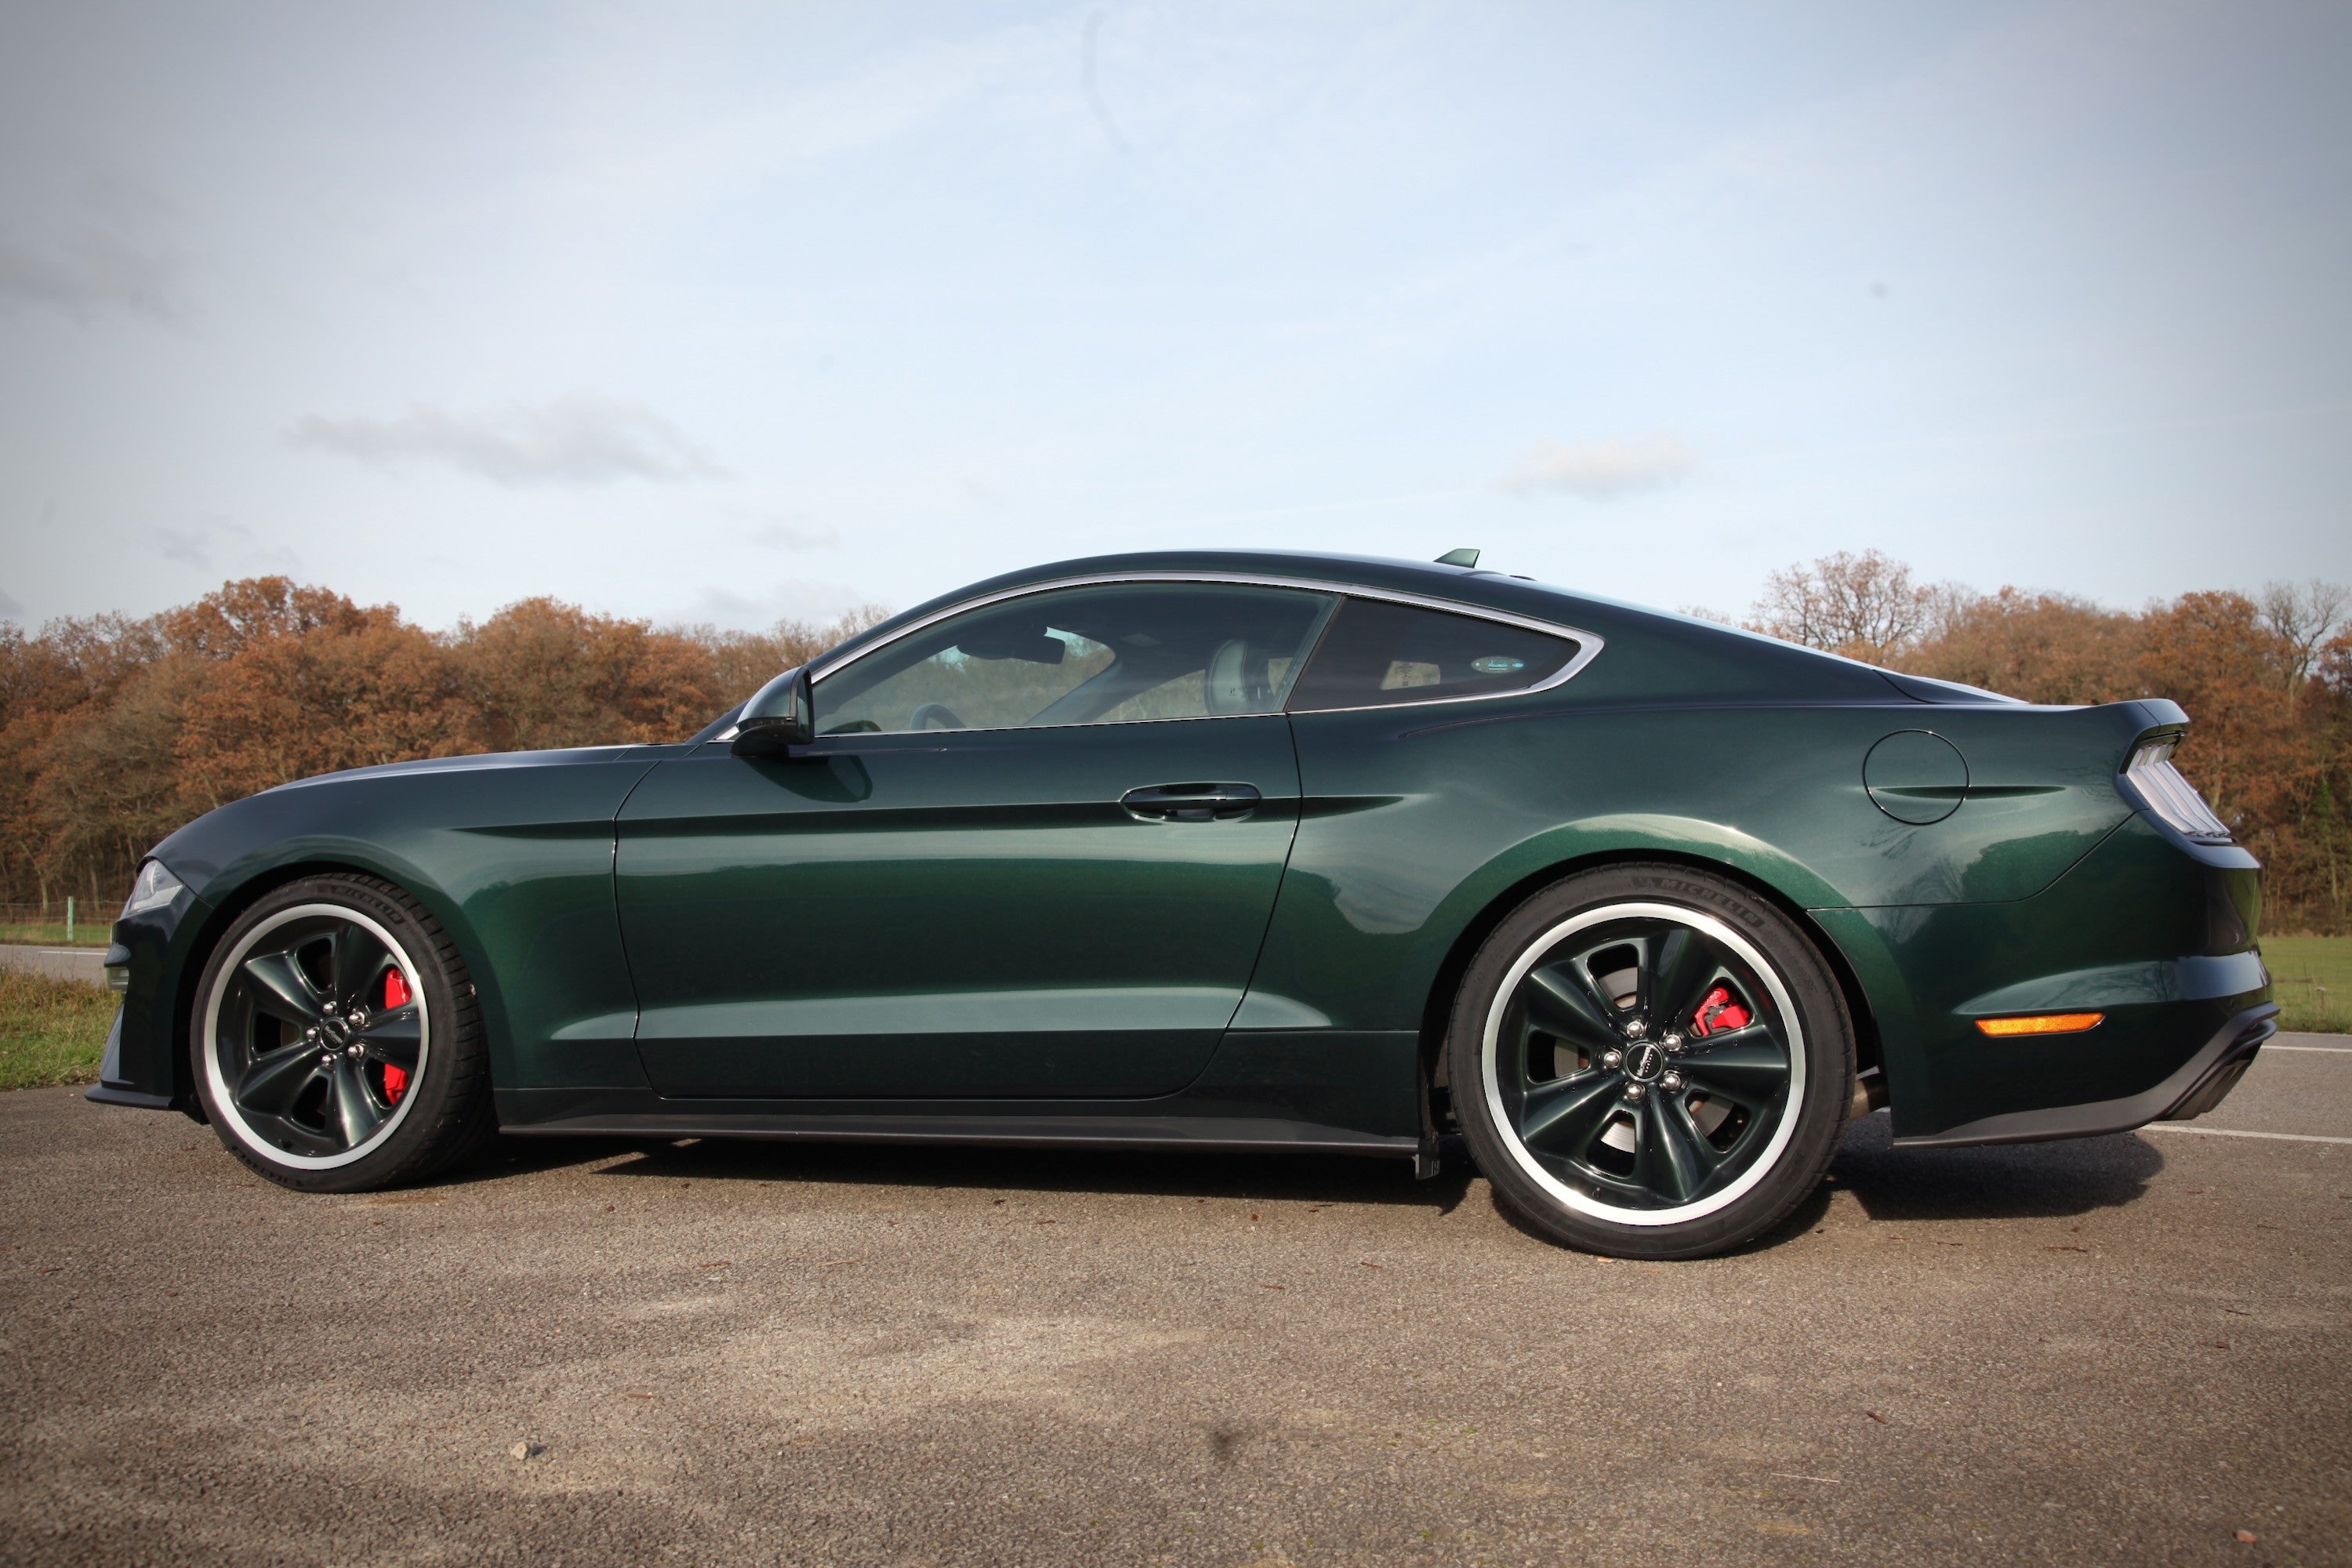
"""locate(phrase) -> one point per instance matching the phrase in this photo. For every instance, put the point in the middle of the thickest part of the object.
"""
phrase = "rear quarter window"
(1378, 655)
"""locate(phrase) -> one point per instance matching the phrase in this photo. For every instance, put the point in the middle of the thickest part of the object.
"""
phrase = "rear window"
(1378, 654)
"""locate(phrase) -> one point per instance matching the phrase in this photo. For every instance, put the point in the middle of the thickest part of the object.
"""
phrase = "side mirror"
(780, 716)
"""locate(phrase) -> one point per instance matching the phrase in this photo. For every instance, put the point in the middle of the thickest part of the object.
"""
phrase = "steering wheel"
(922, 718)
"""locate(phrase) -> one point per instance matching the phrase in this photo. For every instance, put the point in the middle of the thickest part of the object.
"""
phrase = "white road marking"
(2235, 1132)
(2324, 1050)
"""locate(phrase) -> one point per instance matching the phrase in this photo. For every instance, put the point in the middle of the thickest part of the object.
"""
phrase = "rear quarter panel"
(1416, 821)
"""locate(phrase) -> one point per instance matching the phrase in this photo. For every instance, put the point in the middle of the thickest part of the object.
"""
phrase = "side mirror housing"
(780, 716)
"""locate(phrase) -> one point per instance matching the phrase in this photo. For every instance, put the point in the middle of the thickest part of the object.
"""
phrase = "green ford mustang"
(1228, 851)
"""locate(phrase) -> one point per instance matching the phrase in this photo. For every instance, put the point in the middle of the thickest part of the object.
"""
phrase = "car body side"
(1418, 827)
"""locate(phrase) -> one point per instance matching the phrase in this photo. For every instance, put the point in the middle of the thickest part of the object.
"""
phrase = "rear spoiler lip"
(2136, 722)
(2157, 713)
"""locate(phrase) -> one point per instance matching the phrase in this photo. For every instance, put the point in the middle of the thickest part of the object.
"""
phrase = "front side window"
(1378, 654)
(1118, 653)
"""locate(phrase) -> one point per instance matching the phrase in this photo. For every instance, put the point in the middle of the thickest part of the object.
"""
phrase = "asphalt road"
(57, 963)
(2127, 1350)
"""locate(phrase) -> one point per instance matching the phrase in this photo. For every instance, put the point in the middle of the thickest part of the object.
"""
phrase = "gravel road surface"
(2123, 1349)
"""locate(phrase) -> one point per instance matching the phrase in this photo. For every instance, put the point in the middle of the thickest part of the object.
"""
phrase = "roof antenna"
(1458, 558)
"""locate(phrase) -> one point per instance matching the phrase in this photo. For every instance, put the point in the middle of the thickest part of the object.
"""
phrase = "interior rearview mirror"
(1028, 647)
(780, 716)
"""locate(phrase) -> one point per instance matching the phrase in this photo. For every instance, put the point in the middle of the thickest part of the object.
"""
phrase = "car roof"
(1649, 654)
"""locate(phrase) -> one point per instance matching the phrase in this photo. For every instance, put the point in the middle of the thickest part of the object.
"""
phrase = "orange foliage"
(114, 732)
(542, 674)
(2043, 648)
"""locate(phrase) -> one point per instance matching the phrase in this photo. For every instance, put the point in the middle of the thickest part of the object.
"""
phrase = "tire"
(335, 1041)
(1651, 1061)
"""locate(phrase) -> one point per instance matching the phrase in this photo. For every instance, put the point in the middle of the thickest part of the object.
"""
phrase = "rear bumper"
(2195, 1088)
(2154, 934)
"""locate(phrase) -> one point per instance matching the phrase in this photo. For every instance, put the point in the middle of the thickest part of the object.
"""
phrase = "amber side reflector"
(2041, 1024)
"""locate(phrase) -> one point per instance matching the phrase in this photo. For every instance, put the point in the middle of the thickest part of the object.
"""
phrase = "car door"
(1031, 853)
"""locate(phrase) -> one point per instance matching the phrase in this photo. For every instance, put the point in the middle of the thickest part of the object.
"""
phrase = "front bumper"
(157, 951)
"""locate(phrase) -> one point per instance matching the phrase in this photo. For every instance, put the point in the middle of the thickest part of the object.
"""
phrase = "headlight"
(2165, 792)
(153, 888)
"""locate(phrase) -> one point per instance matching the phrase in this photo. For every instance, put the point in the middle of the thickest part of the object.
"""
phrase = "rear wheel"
(1650, 1062)
(337, 1045)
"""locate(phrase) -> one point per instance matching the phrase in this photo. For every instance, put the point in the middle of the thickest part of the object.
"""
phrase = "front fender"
(514, 859)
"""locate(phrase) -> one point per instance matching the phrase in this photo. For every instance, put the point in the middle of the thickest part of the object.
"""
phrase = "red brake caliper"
(395, 995)
(1718, 1011)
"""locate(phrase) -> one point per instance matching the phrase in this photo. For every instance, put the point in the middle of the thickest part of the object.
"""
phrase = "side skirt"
(1303, 1091)
(1207, 1133)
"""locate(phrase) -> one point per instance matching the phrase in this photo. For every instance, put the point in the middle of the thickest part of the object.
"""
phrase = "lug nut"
(1673, 1041)
(1613, 1057)
(1636, 1091)
(1636, 1027)
(1671, 1082)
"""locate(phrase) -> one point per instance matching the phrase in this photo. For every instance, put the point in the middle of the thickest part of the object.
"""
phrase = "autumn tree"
(745, 661)
(2043, 648)
(543, 673)
(56, 692)
(2302, 617)
(1866, 606)
(279, 682)
(115, 731)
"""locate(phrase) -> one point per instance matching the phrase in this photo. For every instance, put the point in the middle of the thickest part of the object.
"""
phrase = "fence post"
(69, 912)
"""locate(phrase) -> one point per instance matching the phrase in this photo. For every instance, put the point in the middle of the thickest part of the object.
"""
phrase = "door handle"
(1191, 802)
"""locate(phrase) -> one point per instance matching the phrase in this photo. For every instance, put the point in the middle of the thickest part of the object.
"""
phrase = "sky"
(723, 312)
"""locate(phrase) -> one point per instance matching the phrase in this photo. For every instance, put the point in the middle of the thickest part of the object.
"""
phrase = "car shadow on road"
(1998, 1181)
(2008, 1181)
(1259, 1178)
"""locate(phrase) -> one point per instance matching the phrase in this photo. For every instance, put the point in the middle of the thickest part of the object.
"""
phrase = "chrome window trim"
(1588, 644)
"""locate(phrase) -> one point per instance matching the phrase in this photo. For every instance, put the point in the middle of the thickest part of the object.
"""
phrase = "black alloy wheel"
(1657, 1062)
(336, 1043)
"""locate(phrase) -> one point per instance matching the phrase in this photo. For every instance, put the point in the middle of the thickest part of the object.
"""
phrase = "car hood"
(396, 820)
(472, 764)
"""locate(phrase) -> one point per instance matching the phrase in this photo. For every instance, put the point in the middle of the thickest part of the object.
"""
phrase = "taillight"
(2163, 790)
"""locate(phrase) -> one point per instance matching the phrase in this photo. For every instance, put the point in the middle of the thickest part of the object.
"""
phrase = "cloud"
(1601, 470)
(807, 600)
(187, 549)
(206, 542)
(9, 607)
(98, 272)
(794, 533)
(585, 439)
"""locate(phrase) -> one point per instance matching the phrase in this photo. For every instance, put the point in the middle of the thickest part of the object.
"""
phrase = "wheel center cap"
(1644, 1061)
(336, 1030)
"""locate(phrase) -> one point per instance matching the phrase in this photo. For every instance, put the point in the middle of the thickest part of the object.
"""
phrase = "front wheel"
(1649, 1061)
(336, 1041)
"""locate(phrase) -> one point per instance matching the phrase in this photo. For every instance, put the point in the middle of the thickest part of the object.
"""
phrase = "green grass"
(51, 1031)
(2311, 978)
(33, 934)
